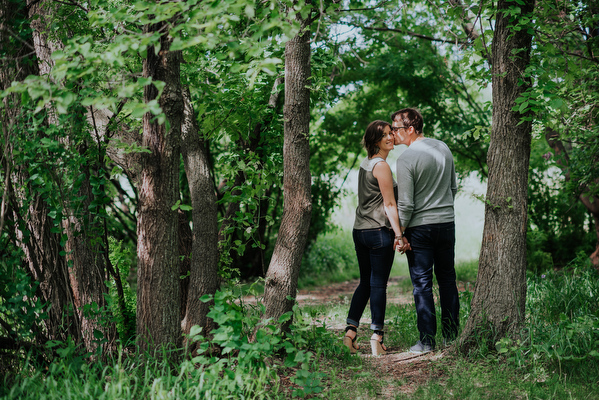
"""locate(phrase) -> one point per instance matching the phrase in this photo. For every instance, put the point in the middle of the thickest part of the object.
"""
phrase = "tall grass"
(557, 355)
(143, 378)
(227, 366)
(563, 322)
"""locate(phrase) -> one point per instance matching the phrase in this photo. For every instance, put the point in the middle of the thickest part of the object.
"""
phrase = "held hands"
(402, 245)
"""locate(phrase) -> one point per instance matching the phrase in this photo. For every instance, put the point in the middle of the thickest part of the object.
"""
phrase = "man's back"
(426, 183)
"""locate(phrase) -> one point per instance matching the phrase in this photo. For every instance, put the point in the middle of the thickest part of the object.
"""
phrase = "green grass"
(556, 357)
(490, 379)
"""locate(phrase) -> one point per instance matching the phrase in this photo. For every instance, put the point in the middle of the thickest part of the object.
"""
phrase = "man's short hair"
(409, 117)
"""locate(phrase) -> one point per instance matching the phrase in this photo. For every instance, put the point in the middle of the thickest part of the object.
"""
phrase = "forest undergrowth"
(555, 357)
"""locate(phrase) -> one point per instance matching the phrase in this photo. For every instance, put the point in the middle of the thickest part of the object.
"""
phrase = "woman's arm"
(382, 173)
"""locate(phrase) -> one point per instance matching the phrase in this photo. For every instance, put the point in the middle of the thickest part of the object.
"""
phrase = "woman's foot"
(376, 343)
(349, 340)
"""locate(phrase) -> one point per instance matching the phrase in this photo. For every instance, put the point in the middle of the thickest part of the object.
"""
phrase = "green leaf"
(195, 330)
(285, 317)
(523, 107)
(176, 205)
(98, 334)
(249, 11)
(206, 298)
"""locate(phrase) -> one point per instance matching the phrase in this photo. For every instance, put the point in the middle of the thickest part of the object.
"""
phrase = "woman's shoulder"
(369, 163)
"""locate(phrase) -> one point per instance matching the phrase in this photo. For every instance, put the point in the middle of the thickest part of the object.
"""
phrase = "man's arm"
(405, 200)
(454, 182)
(405, 192)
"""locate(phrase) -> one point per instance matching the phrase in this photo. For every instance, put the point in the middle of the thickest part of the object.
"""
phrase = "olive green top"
(370, 212)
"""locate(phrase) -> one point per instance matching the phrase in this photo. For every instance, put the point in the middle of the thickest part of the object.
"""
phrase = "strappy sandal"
(378, 348)
(350, 342)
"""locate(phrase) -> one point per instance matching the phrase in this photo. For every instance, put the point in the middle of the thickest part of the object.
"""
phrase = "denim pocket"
(376, 238)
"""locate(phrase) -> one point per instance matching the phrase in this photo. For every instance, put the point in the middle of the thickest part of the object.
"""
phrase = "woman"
(376, 234)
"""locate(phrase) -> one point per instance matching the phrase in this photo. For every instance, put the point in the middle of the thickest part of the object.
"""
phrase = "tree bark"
(84, 231)
(203, 277)
(497, 308)
(158, 322)
(86, 256)
(33, 227)
(281, 278)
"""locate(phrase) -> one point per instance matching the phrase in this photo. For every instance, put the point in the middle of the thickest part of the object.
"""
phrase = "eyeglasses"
(397, 128)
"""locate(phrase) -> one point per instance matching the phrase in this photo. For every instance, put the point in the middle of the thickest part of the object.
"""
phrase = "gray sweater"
(426, 184)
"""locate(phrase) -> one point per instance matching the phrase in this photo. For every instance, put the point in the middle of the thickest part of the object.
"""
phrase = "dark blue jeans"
(434, 245)
(374, 248)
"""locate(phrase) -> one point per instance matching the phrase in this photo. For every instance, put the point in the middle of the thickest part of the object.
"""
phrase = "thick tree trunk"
(158, 322)
(43, 250)
(497, 308)
(83, 247)
(203, 277)
(281, 278)
(33, 230)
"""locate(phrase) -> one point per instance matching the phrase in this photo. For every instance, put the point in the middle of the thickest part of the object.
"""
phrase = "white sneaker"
(421, 348)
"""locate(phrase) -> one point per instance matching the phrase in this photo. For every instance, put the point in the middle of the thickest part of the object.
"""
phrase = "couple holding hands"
(414, 216)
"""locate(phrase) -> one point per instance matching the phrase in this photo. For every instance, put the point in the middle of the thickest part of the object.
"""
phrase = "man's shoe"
(421, 348)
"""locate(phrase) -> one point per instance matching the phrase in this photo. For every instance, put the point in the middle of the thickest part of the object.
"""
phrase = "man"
(427, 186)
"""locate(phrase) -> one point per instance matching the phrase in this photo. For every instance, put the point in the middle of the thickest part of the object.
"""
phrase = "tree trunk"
(158, 322)
(281, 278)
(43, 250)
(33, 230)
(203, 277)
(84, 230)
(497, 308)
(85, 254)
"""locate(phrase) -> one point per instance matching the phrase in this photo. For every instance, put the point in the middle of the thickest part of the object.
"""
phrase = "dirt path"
(338, 292)
(394, 367)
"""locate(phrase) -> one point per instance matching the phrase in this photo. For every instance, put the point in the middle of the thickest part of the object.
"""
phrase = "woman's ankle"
(351, 331)
(378, 335)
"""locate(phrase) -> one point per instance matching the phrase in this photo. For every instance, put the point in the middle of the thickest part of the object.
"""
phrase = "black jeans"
(374, 248)
(434, 244)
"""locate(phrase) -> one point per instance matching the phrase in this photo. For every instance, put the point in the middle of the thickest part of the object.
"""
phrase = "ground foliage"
(556, 356)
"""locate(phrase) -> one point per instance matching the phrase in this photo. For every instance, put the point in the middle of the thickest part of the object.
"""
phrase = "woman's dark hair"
(409, 117)
(374, 133)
